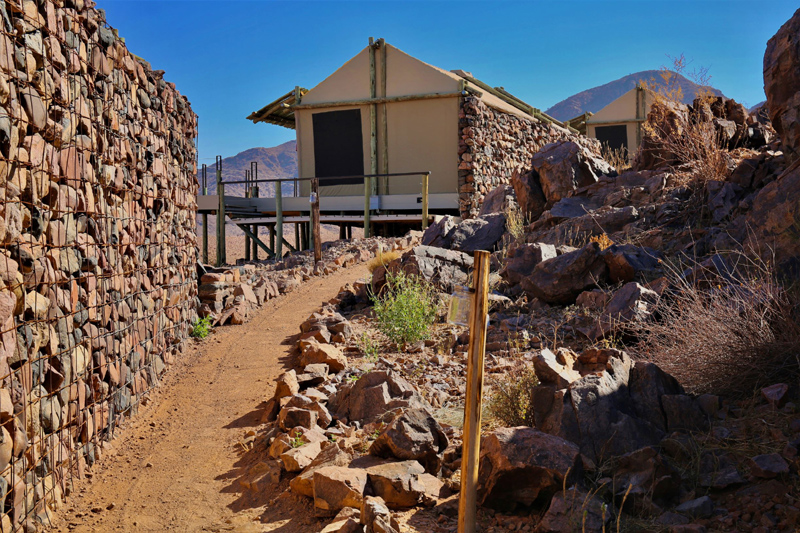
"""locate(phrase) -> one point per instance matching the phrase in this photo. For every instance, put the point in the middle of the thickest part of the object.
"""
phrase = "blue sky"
(231, 57)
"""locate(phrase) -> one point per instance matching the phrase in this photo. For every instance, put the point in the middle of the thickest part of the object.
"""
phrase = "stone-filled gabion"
(97, 243)
(494, 145)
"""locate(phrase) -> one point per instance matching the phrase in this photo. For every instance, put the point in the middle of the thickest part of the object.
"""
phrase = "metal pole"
(221, 259)
(205, 215)
(278, 221)
(471, 448)
(425, 200)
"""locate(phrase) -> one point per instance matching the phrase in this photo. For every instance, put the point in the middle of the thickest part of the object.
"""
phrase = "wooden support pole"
(373, 112)
(246, 229)
(425, 179)
(247, 195)
(384, 123)
(471, 448)
(205, 238)
(271, 236)
(278, 220)
(315, 220)
(297, 236)
(367, 197)
(221, 255)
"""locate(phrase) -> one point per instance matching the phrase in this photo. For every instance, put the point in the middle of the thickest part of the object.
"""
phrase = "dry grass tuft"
(382, 259)
(603, 240)
(725, 335)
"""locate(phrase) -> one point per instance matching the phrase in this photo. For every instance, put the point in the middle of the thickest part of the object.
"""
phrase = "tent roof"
(278, 112)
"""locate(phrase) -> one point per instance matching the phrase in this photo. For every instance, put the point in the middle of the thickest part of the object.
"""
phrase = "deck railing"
(250, 186)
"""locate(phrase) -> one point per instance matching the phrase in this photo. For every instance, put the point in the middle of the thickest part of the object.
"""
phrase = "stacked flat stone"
(494, 145)
(97, 243)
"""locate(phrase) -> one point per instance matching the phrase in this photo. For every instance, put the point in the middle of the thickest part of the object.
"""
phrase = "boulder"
(329, 456)
(701, 507)
(412, 435)
(768, 466)
(561, 279)
(297, 459)
(564, 167)
(665, 119)
(316, 353)
(481, 233)
(499, 200)
(575, 510)
(782, 85)
(523, 258)
(683, 413)
(529, 194)
(439, 233)
(631, 303)
(372, 395)
(549, 369)
(773, 221)
(287, 385)
(644, 475)
(337, 487)
(626, 262)
(376, 518)
(647, 384)
(444, 268)
(292, 417)
(522, 465)
(403, 484)
(775, 395)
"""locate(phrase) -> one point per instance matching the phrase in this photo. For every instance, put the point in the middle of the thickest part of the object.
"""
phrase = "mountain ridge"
(596, 98)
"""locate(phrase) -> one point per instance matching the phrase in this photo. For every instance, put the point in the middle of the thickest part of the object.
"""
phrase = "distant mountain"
(597, 98)
(276, 162)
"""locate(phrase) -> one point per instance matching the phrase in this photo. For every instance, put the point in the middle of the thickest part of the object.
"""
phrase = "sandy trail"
(176, 465)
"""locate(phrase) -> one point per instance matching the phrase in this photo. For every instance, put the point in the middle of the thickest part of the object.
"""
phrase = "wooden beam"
(471, 447)
(256, 240)
(367, 196)
(384, 121)
(315, 220)
(387, 100)
(373, 111)
(279, 219)
(425, 180)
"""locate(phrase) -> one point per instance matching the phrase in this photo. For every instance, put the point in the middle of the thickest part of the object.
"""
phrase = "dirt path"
(176, 466)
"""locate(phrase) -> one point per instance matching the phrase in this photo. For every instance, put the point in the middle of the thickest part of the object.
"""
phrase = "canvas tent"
(386, 112)
(619, 124)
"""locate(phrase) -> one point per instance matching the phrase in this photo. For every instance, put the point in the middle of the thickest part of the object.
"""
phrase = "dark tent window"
(616, 137)
(338, 146)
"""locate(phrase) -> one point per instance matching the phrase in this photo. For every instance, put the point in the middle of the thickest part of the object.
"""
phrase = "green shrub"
(201, 327)
(511, 401)
(406, 308)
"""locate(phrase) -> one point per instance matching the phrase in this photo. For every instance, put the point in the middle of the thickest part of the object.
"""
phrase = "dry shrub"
(511, 400)
(675, 137)
(603, 240)
(617, 158)
(382, 259)
(725, 335)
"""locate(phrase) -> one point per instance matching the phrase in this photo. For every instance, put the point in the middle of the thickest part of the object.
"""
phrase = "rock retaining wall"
(494, 145)
(98, 248)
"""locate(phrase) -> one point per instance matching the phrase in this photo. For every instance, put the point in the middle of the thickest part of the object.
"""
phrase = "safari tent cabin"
(385, 112)
(619, 124)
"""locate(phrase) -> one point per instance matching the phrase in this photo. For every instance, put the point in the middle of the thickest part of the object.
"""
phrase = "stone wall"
(97, 243)
(493, 145)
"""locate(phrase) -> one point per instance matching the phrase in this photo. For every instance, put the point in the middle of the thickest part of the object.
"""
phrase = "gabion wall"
(97, 243)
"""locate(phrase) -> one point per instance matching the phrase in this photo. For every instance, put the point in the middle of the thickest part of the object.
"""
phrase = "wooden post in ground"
(205, 216)
(367, 197)
(247, 195)
(254, 194)
(315, 220)
(425, 180)
(221, 255)
(471, 448)
(278, 221)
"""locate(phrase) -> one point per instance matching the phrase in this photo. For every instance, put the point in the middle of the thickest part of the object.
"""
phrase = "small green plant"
(376, 433)
(368, 347)
(201, 327)
(352, 378)
(511, 401)
(406, 308)
(297, 440)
